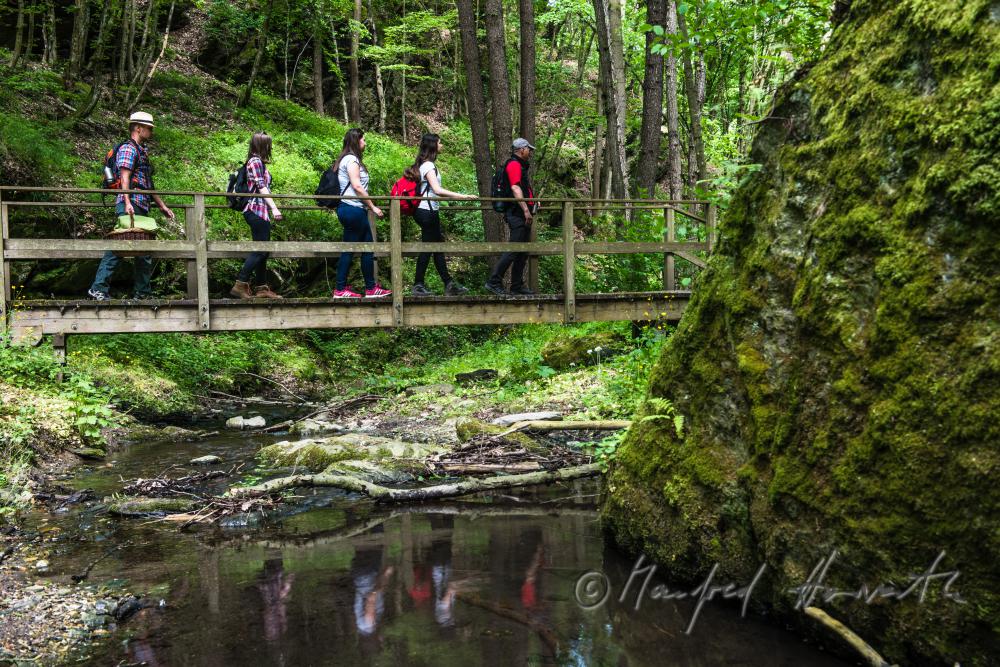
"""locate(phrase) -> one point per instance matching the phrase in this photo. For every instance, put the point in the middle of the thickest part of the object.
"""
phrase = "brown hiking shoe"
(264, 292)
(241, 290)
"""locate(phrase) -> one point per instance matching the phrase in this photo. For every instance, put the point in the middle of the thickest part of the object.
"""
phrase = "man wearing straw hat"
(135, 173)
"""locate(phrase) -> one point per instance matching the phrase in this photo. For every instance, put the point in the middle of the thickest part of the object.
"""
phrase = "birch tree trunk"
(477, 111)
(527, 15)
(355, 108)
(611, 49)
(503, 124)
(652, 105)
(673, 133)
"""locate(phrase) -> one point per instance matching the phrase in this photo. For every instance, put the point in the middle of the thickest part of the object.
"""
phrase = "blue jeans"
(356, 229)
(143, 267)
(255, 265)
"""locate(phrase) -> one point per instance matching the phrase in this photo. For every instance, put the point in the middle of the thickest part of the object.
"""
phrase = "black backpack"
(329, 184)
(238, 184)
(500, 188)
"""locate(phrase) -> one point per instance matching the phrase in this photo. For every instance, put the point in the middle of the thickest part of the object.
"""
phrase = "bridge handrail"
(197, 249)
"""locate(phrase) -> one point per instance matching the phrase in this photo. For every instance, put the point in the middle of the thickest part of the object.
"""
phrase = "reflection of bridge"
(198, 312)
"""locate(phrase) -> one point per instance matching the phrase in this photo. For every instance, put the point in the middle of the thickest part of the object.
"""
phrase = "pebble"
(206, 460)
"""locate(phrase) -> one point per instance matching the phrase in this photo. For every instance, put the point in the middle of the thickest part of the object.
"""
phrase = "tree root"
(866, 653)
(385, 494)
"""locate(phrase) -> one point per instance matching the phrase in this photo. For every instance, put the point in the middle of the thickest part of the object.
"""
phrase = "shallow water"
(343, 582)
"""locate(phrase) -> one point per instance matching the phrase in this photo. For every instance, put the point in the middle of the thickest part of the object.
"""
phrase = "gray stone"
(316, 426)
(482, 375)
(509, 420)
(242, 423)
(206, 460)
(441, 389)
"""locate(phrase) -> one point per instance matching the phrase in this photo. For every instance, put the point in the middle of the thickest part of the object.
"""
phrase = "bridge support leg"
(59, 348)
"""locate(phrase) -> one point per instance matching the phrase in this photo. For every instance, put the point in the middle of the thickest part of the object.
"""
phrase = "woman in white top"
(425, 173)
(353, 178)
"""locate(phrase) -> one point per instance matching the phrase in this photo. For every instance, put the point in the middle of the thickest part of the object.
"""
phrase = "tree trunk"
(390, 495)
(527, 12)
(695, 99)
(49, 35)
(317, 71)
(673, 133)
(477, 112)
(148, 76)
(611, 49)
(18, 43)
(503, 124)
(340, 75)
(244, 98)
(379, 83)
(355, 108)
(78, 42)
(29, 44)
(99, 67)
(652, 105)
(595, 187)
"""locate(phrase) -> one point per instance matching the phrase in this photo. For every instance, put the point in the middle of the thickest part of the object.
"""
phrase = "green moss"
(142, 506)
(839, 365)
(562, 352)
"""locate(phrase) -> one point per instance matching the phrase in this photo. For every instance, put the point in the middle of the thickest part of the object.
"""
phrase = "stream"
(336, 580)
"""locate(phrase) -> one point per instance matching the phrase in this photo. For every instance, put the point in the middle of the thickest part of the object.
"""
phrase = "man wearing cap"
(135, 173)
(519, 217)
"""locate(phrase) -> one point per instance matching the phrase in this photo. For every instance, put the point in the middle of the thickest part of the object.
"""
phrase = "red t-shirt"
(514, 172)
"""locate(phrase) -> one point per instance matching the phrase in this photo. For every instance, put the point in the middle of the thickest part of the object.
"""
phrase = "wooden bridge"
(31, 319)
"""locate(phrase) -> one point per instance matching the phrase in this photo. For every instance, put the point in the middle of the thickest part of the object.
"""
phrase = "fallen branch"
(599, 425)
(477, 468)
(261, 377)
(385, 494)
(869, 655)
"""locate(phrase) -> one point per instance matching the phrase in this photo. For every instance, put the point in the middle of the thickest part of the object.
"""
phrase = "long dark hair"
(428, 152)
(352, 146)
(260, 146)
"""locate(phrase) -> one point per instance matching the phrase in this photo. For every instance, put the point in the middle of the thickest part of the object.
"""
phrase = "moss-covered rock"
(838, 367)
(561, 353)
(469, 428)
(139, 506)
(319, 454)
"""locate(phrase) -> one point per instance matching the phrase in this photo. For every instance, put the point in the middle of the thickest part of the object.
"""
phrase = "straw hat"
(142, 118)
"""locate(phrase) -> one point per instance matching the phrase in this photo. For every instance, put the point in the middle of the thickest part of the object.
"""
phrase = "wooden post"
(396, 257)
(191, 234)
(532, 258)
(670, 234)
(373, 223)
(5, 292)
(710, 223)
(569, 263)
(201, 262)
(59, 348)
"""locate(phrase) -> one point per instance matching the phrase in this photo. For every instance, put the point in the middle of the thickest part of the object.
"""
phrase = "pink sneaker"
(346, 293)
(377, 291)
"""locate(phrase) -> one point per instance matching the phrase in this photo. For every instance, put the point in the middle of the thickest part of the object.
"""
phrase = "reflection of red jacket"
(421, 590)
(528, 593)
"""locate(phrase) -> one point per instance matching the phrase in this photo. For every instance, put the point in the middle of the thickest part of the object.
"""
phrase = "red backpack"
(404, 187)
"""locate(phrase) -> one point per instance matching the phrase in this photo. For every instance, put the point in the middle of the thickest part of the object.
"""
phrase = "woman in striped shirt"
(258, 213)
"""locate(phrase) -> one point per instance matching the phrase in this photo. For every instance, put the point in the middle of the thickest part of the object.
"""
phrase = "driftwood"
(477, 468)
(385, 494)
(598, 425)
(867, 654)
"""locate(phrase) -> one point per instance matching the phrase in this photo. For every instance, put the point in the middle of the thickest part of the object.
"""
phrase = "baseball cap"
(520, 143)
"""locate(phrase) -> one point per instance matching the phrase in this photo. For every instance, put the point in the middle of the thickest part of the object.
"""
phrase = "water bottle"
(109, 177)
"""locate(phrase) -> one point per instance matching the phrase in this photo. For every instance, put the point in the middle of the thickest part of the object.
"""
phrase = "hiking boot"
(421, 290)
(346, 293)
(98, 296)
(495, 289)
(241, 290)
(264, 292)
(377, 292)
(522, 291)
(455, 289)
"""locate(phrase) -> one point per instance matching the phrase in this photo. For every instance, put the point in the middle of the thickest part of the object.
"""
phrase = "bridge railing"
(197, 249)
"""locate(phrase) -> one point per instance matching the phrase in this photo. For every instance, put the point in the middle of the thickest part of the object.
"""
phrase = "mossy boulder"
(838, 367)
(563, 352)
(141, 506)
(469, 428)
(319, 454)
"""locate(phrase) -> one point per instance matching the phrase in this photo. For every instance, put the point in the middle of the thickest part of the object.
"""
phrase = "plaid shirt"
(134, 157)
(257, 177)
